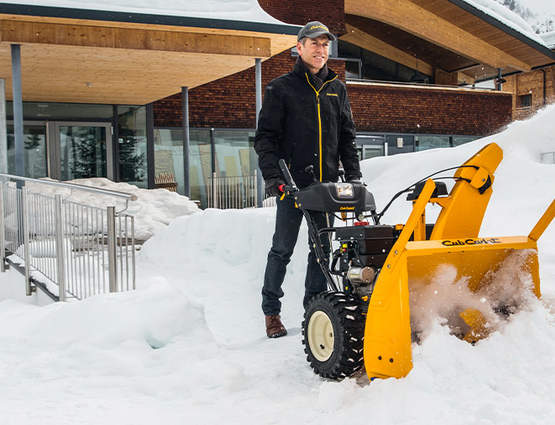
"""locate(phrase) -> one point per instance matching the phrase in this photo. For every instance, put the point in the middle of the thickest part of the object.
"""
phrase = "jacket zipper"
(319, 117)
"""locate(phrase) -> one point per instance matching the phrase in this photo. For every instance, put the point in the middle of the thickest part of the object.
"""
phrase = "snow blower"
(365, 316)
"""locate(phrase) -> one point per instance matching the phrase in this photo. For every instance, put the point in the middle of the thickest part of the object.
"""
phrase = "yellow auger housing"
(453, 242)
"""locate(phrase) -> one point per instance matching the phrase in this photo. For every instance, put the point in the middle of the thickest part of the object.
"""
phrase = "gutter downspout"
(544, 86)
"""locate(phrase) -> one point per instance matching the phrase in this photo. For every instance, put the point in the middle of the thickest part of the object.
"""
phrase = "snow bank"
(153, 210)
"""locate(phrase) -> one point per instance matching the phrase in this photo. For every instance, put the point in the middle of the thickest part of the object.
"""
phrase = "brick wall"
(330, 13)
(384, 108)
(229, 102)
(531, 83)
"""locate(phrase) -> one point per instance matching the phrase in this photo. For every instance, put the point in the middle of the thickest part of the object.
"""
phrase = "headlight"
(344, 190)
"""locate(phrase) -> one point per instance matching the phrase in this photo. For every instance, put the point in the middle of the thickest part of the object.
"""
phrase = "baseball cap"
(315, 29)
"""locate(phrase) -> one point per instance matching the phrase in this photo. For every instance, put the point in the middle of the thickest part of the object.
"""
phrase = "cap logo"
(313, 27)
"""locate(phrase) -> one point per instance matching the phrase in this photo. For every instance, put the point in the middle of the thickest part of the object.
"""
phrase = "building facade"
(531, 91)
(411, 84)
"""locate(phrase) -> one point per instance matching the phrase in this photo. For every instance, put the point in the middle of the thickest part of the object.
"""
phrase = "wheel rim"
(320, 336)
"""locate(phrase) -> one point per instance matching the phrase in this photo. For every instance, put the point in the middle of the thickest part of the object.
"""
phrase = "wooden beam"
(445, 78)
(362, 39)
(14, 31)
(422, 23)
(279, 42)
(58, 73)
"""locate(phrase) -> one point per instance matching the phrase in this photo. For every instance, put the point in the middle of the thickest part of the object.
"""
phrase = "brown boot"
(274, 327)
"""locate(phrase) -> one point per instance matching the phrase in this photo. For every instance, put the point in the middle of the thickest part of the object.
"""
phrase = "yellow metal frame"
(387, 336)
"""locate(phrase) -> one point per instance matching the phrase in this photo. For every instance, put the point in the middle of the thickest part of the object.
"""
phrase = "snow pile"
(153, 209)
(549, 38)
(239, 10)
(505, 16)
(189, 345)
(540, 14)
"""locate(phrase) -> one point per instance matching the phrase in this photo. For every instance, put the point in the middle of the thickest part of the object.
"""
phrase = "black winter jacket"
(306, 126)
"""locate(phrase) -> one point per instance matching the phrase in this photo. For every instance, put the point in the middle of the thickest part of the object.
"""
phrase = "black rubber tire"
(347, 320)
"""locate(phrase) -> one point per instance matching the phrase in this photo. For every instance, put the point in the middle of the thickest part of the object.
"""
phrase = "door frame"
(54, 143)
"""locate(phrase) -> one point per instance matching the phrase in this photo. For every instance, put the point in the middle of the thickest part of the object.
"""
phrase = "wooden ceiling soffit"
(14, 31)
(416, 20)
(362, 39)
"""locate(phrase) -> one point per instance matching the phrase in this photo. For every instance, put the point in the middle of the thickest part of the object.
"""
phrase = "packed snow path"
(189, 347)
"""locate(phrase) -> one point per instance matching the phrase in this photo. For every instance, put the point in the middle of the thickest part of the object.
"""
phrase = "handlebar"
(291, 186)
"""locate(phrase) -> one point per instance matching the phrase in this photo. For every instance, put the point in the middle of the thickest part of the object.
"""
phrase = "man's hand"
(273, 187)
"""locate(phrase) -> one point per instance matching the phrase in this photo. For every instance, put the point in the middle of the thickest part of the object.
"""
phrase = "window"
(132, 144)
(460, 140)
(524, 101)
(423, 143)
(352, 69)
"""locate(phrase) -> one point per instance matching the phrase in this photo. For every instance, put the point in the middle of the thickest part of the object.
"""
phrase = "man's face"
(314, 52)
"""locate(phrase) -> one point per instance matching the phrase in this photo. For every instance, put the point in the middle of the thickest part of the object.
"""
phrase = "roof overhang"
(87, 56)
(450, 35)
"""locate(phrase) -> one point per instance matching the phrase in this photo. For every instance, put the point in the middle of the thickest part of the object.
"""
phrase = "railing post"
(2, 231)
(214, 191)
(133, 248)
(255, 178)
(111, 223)
(25, 231)
(60, 251)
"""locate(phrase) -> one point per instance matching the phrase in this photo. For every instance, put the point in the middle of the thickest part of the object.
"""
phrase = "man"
(305, 119)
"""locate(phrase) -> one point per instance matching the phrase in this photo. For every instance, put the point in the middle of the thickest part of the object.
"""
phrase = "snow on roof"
(233, 10)
(507, 17)
(549, 38)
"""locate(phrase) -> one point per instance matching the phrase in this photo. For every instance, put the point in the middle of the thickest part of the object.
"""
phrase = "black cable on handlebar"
(380, 215)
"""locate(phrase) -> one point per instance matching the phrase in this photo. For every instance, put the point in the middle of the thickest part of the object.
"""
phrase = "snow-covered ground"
(188, 347)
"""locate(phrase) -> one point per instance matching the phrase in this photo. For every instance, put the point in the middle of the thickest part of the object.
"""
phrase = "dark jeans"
(288, 222)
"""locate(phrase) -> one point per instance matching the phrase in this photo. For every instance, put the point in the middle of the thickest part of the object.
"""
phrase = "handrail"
(421, 85)
(82, 248)
(127, 196)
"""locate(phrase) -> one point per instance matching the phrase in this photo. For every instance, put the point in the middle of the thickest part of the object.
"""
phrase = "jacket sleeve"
(269, 133)
(347, 145)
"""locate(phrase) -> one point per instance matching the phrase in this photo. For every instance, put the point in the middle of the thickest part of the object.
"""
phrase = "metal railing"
(67, 248)
(232, 192)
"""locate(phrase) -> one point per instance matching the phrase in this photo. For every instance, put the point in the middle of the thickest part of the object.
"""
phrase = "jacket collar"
(300, 69)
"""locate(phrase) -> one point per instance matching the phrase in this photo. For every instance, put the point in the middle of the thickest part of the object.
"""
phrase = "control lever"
(290, 186)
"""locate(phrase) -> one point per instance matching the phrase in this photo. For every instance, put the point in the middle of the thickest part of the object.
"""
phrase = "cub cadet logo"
(346, 208)
(313, 27)
(482, 241)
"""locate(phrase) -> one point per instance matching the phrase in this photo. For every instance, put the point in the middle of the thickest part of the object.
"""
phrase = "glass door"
(84, 150)
(34, 149)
